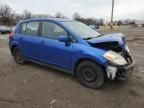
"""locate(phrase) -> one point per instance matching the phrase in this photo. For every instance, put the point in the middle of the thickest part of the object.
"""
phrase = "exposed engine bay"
(116, 43)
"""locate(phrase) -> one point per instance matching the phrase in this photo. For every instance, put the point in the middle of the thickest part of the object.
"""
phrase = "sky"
(124, 9)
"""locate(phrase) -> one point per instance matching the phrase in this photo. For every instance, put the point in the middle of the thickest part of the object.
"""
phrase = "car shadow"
(113, 84)
(49, 69)
(108, 84)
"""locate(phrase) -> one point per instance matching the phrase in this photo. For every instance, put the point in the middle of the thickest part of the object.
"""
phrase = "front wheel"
(18, 57)
(90, 74)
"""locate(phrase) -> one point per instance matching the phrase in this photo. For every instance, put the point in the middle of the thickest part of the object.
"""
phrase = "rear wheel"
(18, 57)
(90, 74)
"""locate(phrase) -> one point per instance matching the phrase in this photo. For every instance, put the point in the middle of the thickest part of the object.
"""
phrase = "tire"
(90, 74)
(18, 56)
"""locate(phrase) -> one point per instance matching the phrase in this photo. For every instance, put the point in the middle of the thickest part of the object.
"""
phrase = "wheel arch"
(12, 48)
(86, 59)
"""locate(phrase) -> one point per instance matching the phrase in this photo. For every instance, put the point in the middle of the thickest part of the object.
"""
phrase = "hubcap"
(89, 75)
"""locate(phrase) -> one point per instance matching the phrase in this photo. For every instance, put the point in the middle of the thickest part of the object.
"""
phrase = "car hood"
(109, 42)
(116, 37)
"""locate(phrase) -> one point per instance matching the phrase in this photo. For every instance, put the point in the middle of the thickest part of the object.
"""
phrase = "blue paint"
(60, 53)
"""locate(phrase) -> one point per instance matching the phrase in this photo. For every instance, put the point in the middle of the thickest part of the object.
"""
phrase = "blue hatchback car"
(72, 47)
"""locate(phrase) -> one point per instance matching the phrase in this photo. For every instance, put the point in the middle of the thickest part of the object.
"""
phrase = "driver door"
(52, 50)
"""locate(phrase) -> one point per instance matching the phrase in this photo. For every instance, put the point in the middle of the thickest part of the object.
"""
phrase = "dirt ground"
(35, 86)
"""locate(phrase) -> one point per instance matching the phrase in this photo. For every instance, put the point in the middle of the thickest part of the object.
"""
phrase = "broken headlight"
(115, 58)
(127, 48)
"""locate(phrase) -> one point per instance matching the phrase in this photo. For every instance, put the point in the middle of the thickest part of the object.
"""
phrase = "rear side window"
(32, 28)
(52, 31)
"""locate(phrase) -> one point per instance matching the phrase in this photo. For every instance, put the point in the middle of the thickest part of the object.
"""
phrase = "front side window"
(82, 30)
(52, 31)
(32, 28)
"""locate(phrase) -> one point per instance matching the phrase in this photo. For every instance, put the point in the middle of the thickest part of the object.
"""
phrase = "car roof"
(44, 19)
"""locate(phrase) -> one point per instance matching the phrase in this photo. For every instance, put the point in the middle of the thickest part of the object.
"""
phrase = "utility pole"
(112, 13)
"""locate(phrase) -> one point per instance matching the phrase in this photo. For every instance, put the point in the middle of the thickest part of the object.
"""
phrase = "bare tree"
(88, 21)
(59, 15)
(76, 16)
(5, 11)
(27, 14)
(6, 14)
(100, 22)
(17, 18)
(41, 16)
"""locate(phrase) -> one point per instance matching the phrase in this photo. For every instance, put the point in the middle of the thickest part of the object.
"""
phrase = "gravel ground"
(35, 86)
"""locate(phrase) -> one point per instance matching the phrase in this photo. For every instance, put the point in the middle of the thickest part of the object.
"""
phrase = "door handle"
(20, 38)
(42, 42)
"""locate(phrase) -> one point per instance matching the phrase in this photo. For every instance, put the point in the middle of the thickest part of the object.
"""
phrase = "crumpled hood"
(116, 37)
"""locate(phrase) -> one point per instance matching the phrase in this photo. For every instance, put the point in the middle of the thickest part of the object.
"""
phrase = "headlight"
(115, 58)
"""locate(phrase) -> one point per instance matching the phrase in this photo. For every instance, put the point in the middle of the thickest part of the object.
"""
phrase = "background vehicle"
(4, 30)
(94, 27)
(73, 47)
(13, 28)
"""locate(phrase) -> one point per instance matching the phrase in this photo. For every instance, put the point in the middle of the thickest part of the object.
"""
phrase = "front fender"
(87, 52)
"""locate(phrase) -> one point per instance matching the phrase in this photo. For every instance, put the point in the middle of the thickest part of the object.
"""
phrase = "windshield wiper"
(87, 38)
(100, 35)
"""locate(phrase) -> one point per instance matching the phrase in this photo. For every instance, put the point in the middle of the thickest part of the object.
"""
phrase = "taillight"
(11, 35)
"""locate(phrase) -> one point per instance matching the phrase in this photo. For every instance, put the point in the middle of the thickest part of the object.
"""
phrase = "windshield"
(82, 30)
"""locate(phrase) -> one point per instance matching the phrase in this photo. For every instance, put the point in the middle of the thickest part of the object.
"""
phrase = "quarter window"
(52, 31)
(23, 28)
(32, 28)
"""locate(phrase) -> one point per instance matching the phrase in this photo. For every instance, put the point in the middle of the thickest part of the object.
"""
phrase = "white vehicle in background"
(4, 30)
(13, 28)
(94, 26)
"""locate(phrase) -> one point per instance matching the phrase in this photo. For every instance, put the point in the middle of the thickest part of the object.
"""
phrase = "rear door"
(29, 39)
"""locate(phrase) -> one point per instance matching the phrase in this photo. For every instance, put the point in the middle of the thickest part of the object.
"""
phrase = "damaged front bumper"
(119, 72)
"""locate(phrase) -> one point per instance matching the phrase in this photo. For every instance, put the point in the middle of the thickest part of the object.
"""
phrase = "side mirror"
(63, 39)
